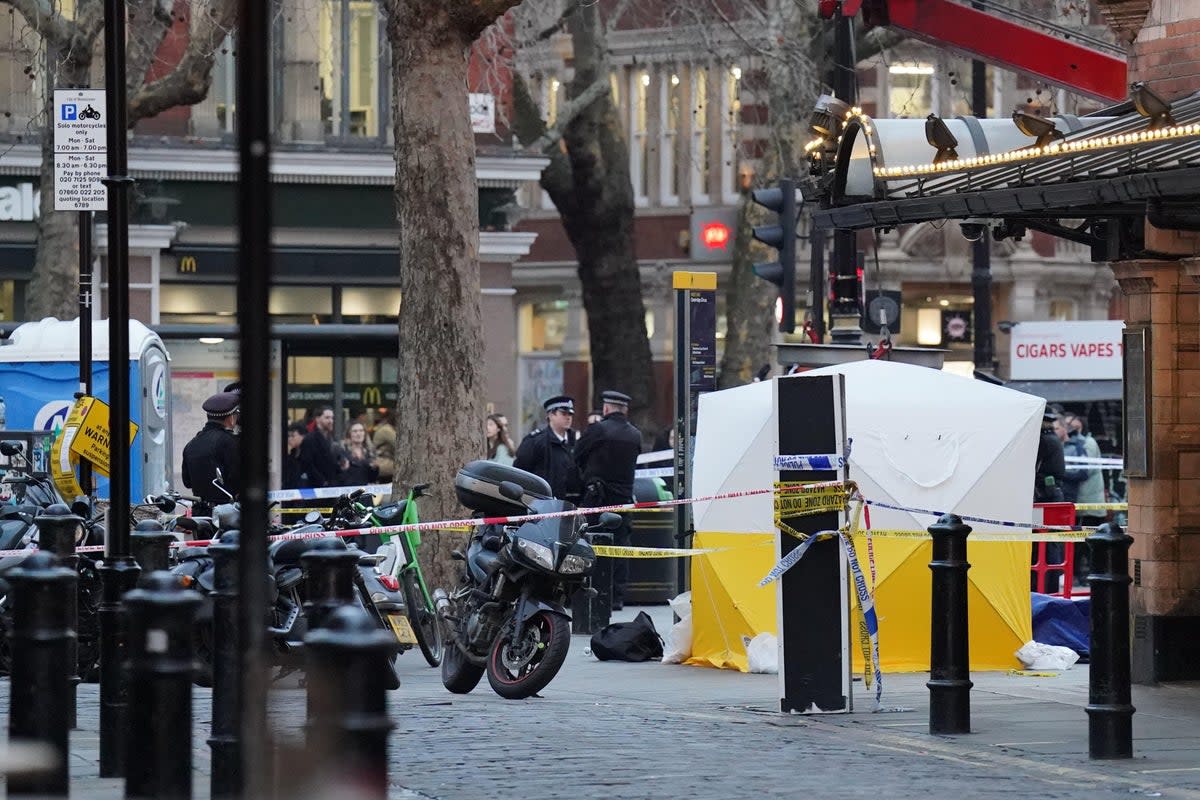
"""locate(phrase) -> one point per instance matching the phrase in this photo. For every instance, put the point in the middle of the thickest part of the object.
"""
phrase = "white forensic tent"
(920, 438)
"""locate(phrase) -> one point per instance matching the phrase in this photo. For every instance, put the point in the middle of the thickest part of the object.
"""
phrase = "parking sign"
(80, 150)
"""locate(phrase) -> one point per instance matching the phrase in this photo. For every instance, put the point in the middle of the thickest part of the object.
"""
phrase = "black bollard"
(150, 546)
(226, 778)
(329, 571)
(38, 706)
(950, 656)
(1110, 708)
(348, 722)
(160, 615)
(58, 533)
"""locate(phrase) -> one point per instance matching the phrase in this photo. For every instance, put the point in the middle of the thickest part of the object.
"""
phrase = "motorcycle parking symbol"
(71, 113)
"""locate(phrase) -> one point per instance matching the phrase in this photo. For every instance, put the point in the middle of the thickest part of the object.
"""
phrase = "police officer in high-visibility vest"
(606, 454)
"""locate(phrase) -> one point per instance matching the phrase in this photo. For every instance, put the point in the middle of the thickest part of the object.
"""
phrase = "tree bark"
(440, 406)
(750, 310)
(591, 189)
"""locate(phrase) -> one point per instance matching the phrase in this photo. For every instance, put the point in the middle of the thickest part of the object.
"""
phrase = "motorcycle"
(508, 617)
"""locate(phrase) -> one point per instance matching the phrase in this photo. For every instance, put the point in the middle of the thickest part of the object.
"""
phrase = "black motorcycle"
(508, 617)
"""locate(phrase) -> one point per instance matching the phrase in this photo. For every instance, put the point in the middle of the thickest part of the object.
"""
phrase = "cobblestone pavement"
(618, 730)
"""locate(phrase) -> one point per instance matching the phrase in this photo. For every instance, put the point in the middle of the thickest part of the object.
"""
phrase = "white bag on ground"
(1035, 655)
(678, 647)
(763, 653)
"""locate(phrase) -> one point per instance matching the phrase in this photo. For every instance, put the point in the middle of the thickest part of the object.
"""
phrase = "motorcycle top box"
(477, 486)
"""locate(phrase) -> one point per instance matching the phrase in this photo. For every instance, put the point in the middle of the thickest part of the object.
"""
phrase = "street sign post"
(80, 150)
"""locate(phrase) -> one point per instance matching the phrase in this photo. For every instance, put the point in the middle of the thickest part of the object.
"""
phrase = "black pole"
(844, 311)
(1110, 708)
(348, 723)
(816, 280)
(226, 778)
(160, 688)
(981, 270)
(57, 529)
(151, 546)
(39, 679)
(254, 71)
(949, 657)
(329, 569)
(118, 573)
(85, 330)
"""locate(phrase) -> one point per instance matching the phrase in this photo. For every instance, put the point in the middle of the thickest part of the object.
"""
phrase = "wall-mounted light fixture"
(827, 116)
(1149, 104)
(941, 139)
(1042, 129)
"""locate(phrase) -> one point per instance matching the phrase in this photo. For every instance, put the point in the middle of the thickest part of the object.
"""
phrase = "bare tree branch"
(188, 83)
(152, 21)
(569, 111)
(615, 17)
(41, 16)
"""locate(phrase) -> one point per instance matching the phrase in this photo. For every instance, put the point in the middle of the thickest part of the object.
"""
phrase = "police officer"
(548, 452)
(607, 456)
(214, 447)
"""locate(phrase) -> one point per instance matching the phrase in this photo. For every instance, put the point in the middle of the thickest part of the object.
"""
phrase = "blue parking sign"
(69, 111)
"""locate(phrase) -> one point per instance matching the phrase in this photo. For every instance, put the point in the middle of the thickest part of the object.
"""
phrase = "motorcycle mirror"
(219, 483)
(164, 504)
(608, 522)
(312, 517)
(512, 491)
(10, 448)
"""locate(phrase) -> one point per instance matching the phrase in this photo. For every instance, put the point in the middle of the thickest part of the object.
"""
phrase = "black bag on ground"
(628, 641)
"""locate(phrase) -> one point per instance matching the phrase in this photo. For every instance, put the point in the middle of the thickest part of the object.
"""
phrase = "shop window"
(8, 304)
(224, 84)
(542, 326)
(701, 154)
(368, 304)
(197, 303)
(671, 145)
(301, 304)
(731, 133)
(910, 90)
(349, 68)
(1062, 310)
(639, 135)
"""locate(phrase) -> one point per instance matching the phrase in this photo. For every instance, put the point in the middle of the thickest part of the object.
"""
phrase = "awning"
(1069, 391)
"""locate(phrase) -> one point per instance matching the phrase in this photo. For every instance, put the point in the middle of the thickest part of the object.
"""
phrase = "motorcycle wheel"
(458, 674)
(424, 620)
(517, 670)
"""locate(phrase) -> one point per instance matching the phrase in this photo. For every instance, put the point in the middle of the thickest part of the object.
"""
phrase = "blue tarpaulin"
(1062, 622)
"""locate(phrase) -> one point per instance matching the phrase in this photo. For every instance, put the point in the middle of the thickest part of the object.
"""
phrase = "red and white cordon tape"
(472, 521)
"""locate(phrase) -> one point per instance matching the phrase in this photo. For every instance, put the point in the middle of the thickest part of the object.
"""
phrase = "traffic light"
(782, 237)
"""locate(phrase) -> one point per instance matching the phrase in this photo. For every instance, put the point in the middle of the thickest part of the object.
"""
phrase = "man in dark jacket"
(1050, 468)
(548, 452)
(607, 457)
(214, 447)
(318, 465)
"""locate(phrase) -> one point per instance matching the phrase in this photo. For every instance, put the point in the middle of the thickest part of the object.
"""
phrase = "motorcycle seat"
(290, 550)
(482, 562)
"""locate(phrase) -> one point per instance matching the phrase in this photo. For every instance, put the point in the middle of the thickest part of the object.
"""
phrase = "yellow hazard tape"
(1024, 673)
(305, 510)
(615, 551)
(1102, 506)
(802, 500)
(988, 536)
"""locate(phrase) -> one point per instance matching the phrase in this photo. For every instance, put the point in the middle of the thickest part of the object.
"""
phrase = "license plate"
(401, 627)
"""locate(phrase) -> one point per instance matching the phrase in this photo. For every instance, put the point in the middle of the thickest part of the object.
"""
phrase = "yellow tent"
(728, 604)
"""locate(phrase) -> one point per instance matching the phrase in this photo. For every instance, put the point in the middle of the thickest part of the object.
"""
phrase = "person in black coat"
(1050, 467)
(214, 447)
(548, 452)
(318, 465)
(606, 455)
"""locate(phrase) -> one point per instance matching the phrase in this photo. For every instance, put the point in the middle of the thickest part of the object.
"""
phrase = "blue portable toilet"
(39, 376)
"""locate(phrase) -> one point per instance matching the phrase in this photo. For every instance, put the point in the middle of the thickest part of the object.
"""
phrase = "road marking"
(1021, 744)
(1171, 769)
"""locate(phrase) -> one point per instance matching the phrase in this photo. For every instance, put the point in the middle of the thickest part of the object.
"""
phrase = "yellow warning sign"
(92, 440)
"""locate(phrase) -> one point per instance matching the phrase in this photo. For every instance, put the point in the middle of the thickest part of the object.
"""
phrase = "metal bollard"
(160, 688)
(329, 571)
(348, 723)
(226, 778)
(38, 707)
(150, 546)
(118, 577)
(949, 658)
(58, 532)
(1110, 709)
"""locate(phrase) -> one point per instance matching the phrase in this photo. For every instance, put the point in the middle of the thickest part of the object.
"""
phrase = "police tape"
(655, 472)
(814, 463)
(326, 492)
(1078, 535)
(305, 510)
(632, 551)
(1102, 506)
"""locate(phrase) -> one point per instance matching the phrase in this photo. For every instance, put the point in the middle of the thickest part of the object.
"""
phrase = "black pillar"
(118, 573)
(85, 331)
(38, 706)
(160, 688)
(348, 722)
(949, 657)
(844, 311)
(1110, 708)
(254, 75)
(981, 252)
(329, 569)
(151, 546)
(57, 531)
(226, 778)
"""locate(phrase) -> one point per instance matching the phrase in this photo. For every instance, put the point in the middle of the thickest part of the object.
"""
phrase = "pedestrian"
(500, 447)
(607, 457)
(1049, 469)
(1074, 474)
(318, 464)
(1091, 491)
(548, 452)
(384, 440)
(357, 456)
(213, 453)
(291, 462)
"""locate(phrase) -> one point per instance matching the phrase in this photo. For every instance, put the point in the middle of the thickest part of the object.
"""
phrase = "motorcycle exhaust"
(441, 602)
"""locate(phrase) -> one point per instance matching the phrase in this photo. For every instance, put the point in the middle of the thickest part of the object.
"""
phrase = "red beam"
(997, 41)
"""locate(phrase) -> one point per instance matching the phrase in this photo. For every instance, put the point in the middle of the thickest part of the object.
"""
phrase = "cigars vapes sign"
(1065, 351)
